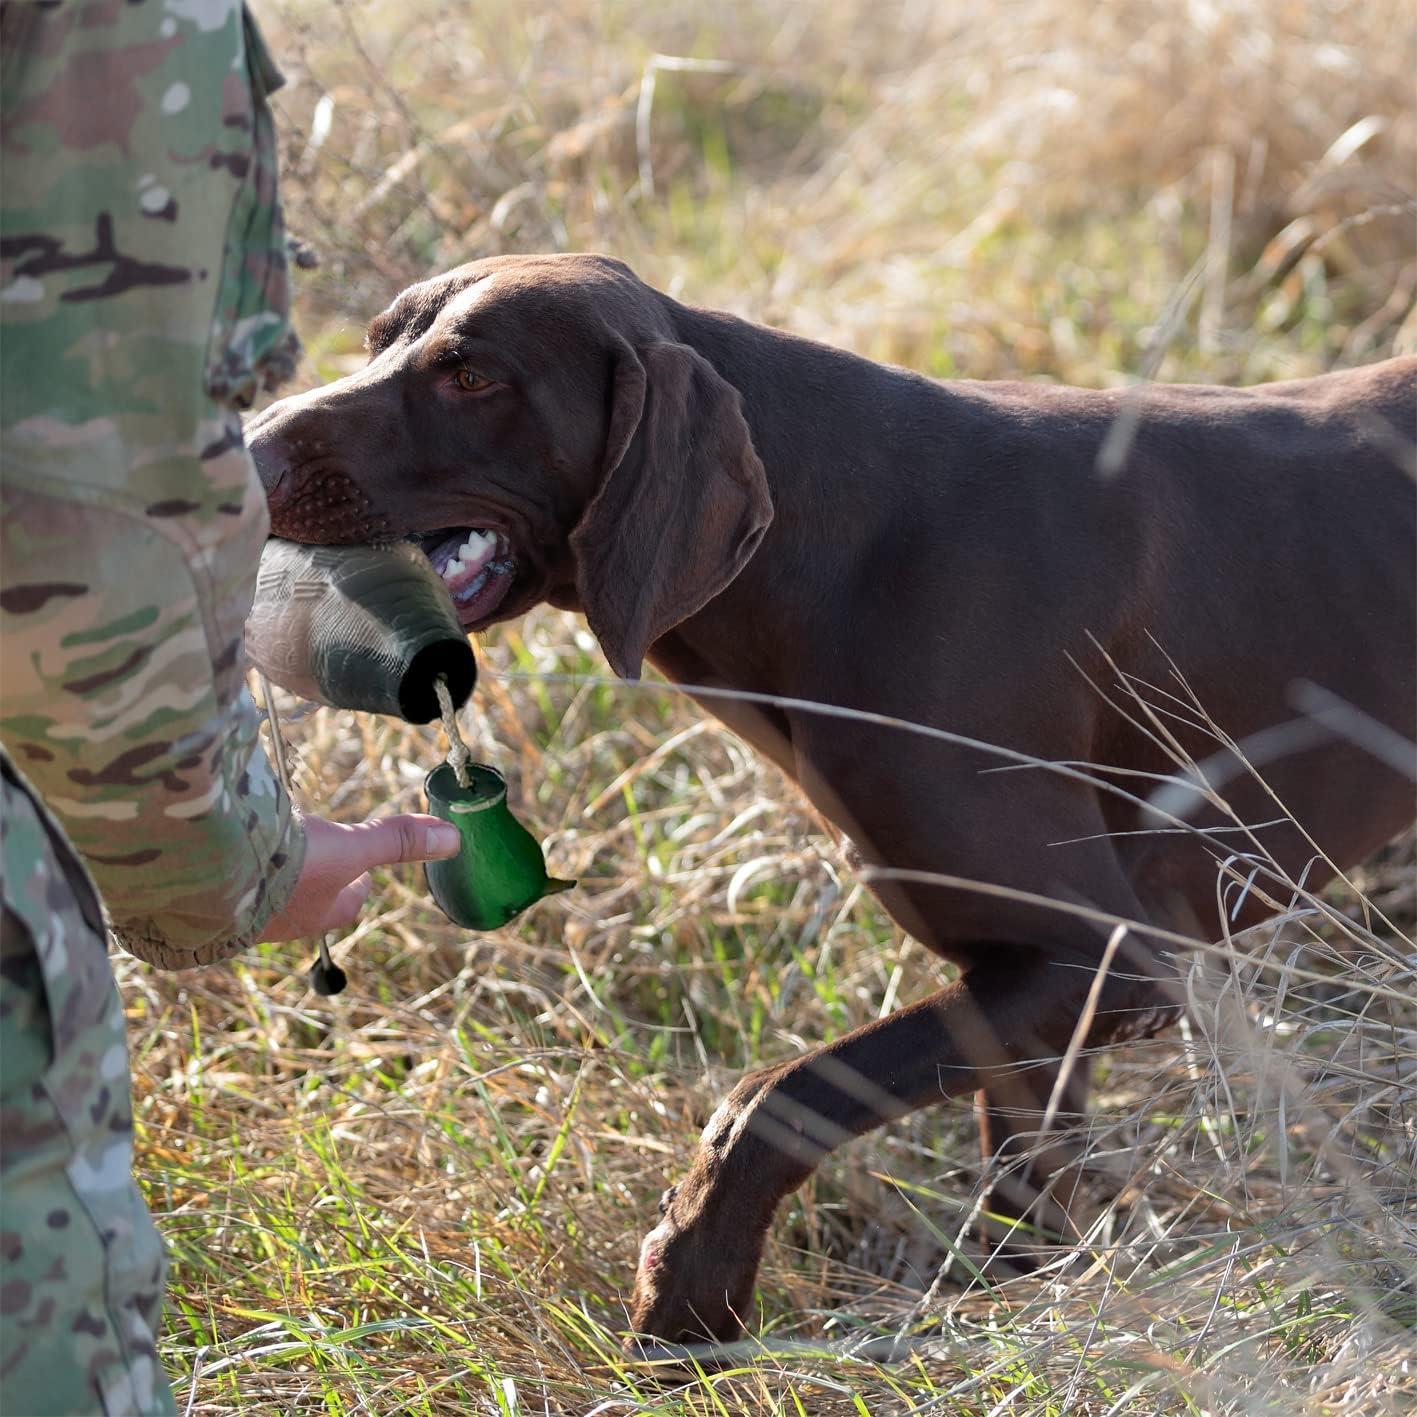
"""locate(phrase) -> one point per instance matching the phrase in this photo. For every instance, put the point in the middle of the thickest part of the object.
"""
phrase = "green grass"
(426, 1195)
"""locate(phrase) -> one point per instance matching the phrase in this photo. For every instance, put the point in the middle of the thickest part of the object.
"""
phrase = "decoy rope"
(458, 754)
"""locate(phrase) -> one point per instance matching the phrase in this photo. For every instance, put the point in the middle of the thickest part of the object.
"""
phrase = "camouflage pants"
(82, 1265)
(143, 298)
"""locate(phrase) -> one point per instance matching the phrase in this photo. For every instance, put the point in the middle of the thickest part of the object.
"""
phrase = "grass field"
(425, 1195)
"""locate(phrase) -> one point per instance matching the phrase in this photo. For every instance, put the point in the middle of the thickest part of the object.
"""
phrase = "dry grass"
(425, 1195)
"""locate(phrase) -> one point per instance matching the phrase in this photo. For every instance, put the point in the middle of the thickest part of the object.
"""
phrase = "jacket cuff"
(146, 940)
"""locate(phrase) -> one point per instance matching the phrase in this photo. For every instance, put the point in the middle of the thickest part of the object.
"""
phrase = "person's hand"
(334, 880)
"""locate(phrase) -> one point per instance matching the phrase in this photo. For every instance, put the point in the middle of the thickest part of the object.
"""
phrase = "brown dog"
(758, 513)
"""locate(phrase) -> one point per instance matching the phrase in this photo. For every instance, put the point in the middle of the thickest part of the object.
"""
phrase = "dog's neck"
(821, 418)
(850, 448)
(832, 482)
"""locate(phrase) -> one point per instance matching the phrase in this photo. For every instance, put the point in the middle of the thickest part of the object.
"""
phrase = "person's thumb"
(386, 841)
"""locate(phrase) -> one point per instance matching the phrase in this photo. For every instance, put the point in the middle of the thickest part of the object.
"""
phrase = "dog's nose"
(275, 449)
(272, 461)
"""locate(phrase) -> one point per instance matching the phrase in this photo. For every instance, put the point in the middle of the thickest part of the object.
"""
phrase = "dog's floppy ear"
(682, 504)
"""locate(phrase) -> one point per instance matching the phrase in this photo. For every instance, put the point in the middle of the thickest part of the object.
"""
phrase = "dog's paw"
(694, 1280)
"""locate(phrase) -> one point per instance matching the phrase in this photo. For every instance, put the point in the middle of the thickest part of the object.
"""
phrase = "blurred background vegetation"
(426, 1195)
(977, 190)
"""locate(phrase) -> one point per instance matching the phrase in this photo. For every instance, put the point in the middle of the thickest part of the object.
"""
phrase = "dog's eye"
(471, 383)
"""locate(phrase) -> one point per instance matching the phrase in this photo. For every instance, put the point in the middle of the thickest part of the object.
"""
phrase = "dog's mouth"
(477, 566)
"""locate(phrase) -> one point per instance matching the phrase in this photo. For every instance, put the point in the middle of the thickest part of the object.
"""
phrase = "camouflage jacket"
(143, 297)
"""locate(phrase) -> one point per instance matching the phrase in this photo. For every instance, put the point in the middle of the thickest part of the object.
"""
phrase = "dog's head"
(535, 424)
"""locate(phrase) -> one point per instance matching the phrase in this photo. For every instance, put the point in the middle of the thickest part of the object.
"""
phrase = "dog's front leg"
(698, 1265)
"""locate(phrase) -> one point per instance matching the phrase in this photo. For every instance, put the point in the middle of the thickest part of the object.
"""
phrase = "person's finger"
(345, 908)
(316, 908)
(387, 841)
(334, 881)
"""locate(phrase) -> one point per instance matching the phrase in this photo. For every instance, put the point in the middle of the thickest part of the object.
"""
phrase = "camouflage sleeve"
(143, 299)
